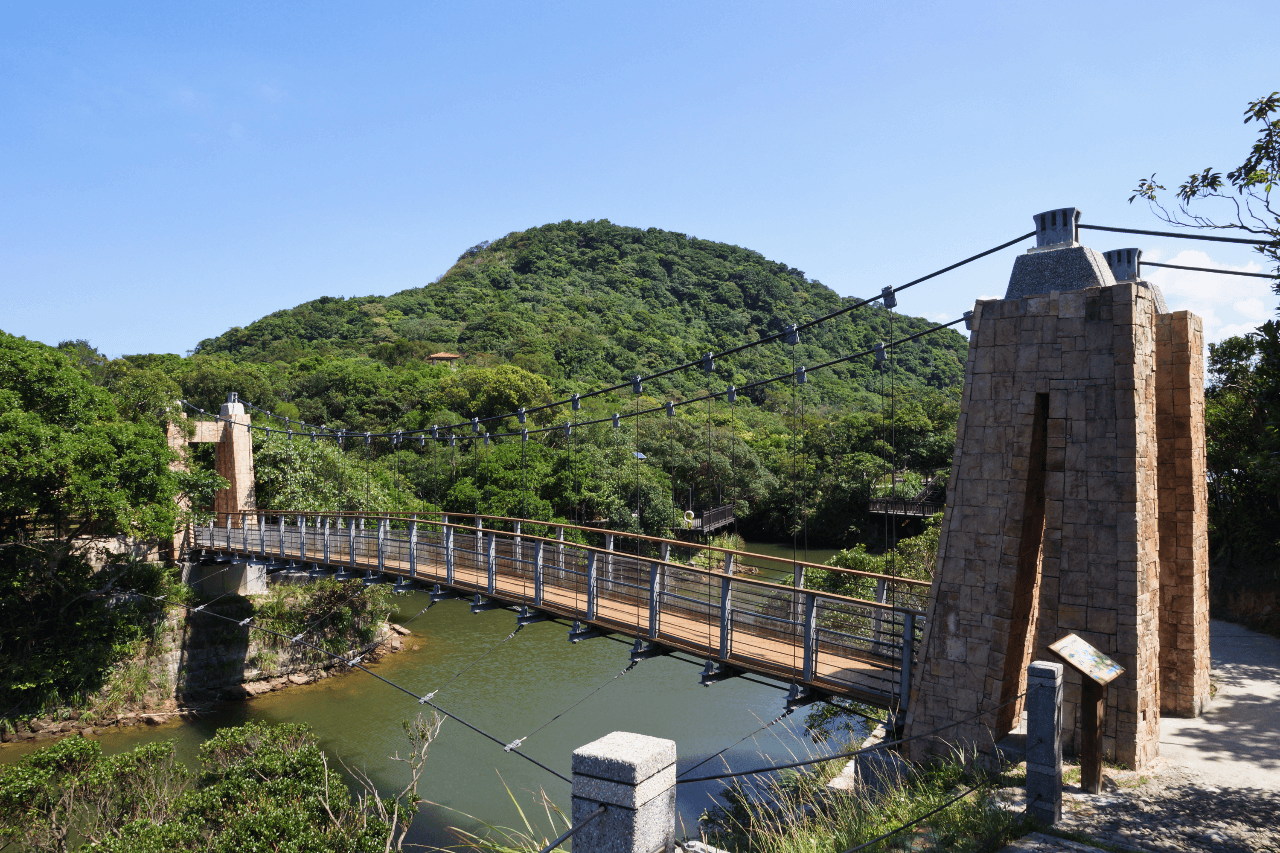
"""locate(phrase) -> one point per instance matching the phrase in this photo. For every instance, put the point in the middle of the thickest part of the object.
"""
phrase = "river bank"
(196, 658)
(508, 689)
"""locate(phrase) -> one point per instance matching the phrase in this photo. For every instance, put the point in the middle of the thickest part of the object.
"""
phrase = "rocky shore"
(204, 679)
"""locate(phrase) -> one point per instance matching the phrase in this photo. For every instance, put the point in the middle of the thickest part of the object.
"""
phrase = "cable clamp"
(426, 700)
(355, 660)
(244, 622)
(198, 609)
(298, 638)
(513, 745)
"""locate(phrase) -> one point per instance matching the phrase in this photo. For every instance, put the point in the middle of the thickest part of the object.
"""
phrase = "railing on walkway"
(739, 610)
(709, 520)
(905, 507)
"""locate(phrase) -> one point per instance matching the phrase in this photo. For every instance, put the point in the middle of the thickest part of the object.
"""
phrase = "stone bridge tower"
(234, 458)
(1077, 503)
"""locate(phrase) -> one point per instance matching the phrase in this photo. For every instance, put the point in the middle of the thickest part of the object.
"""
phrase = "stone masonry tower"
(233, 457)
(1077, 504)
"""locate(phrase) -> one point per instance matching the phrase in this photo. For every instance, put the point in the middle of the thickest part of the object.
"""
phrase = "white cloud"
(1229, 305)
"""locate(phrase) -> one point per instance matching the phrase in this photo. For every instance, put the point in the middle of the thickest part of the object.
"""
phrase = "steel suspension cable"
(355, 665)
(797, 328)
(856, 752)
(778, 718)
(518, 741)
(1175, 234)
(468, 667)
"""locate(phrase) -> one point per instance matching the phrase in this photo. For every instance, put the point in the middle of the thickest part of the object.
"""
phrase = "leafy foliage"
(1246, 190)
(1241, 405)
(258, 788)
(79, 461)
(583, 303)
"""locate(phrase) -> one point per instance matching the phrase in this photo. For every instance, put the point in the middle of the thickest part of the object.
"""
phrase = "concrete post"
(1044, 741)
(634, 777)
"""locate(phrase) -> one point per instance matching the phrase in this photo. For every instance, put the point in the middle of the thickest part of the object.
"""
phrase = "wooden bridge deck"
(823, 642)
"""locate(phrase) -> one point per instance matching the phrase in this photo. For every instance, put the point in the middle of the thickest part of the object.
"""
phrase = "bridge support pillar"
(634, 777)
(1076, 504)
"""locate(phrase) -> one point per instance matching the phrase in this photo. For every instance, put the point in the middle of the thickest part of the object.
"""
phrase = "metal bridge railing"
(676, 594)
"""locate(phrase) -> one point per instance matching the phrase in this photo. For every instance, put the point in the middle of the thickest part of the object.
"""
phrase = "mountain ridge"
(593, 303)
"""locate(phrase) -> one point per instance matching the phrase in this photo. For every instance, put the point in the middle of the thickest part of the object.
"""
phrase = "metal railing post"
(382, 544)
(537, 572)
(726, 617)
(448, 551)
(413, 547)
(325, 540)
(655, 599)
(302, 539)
(244, 532)
(280, 528)
(904, 667)
(810, 636)
(227, 527)
(475, 556)
(591, 584)
(516, 549)
(491, 563)
(560, 550)
(877, 620)
(262, 536)
(608, 566)
(351, 543)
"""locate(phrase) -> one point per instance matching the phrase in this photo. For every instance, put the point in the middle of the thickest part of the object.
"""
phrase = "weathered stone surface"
(1065, 269)
(1101, 498)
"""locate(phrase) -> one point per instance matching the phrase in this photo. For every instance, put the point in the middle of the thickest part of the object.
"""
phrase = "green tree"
(73, 471)
(1246, 191)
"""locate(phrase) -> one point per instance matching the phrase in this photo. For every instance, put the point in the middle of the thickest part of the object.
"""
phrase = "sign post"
(1098, 671)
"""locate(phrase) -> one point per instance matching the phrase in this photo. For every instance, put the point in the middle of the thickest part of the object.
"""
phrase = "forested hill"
(590, 303)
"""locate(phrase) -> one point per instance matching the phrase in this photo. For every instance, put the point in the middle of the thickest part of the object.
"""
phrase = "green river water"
(510, 693)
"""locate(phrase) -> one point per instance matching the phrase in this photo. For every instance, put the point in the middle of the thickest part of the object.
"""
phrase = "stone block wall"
(1184, 528)
(1052, 519)
(234, 462)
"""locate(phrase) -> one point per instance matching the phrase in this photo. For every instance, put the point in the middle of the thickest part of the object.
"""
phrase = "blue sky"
(175, 169)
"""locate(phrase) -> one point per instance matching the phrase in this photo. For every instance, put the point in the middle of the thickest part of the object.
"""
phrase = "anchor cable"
(856, 752)
(354, 664)
(781, 716)
(511, 746)
(466, 668)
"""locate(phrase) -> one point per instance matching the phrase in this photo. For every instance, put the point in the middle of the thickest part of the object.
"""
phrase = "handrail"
(683, 567)
(407, 516)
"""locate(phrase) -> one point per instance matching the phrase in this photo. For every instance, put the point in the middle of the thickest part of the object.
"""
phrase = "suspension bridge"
(669, 595)
(739, 612)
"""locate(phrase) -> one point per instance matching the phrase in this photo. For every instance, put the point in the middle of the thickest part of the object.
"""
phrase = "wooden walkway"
(818, 641)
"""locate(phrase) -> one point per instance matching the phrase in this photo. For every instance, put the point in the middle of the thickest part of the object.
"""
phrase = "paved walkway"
(1216, 786)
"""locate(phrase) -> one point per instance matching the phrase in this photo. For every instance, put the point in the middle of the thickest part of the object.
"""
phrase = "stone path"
(1216, 786)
